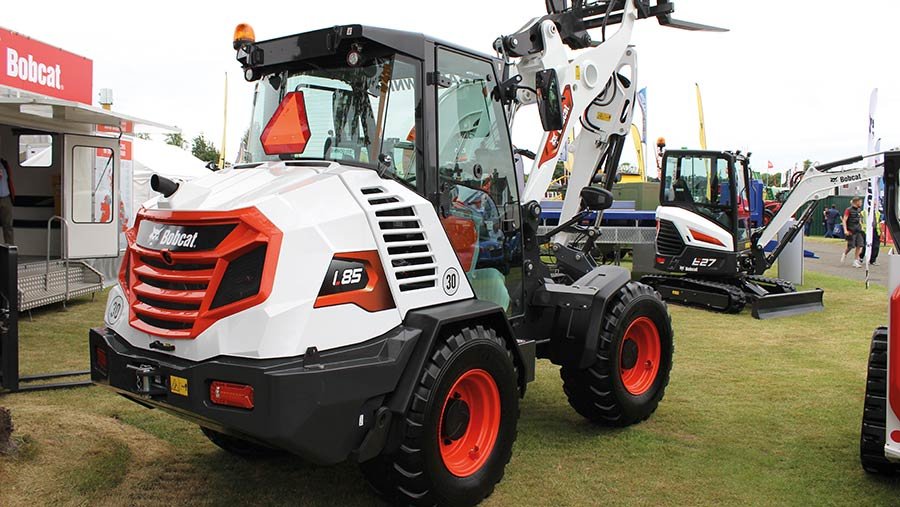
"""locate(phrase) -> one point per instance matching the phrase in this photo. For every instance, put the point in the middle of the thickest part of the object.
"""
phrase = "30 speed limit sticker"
(451, 281)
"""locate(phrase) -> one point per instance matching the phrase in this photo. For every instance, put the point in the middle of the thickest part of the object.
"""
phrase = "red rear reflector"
(232, 395)
(288, 129)
(660, 260)
(102, 363)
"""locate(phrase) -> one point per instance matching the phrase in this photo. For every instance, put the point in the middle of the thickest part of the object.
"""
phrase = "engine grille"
(668, 240)
(410, 260)
(178, 294)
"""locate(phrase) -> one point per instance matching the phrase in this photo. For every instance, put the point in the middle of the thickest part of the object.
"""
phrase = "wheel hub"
(456, 419)
(469, 423)
(640, 353)
(629, 354)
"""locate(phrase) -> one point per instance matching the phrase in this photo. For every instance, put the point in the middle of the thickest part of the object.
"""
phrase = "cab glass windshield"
(357, 115)
(702, 183)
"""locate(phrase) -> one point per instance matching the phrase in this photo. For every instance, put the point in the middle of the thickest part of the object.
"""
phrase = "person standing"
(831, 216)
(853, 231)
(7, 196)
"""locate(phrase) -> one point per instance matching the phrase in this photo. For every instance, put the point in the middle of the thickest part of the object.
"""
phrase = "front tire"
(872, 435)
(460, 426)
(634, 357)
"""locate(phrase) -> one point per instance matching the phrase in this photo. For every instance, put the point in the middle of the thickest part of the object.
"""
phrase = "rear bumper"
(317, 406)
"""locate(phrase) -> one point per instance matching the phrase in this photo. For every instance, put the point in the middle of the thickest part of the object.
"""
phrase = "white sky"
(791, 80)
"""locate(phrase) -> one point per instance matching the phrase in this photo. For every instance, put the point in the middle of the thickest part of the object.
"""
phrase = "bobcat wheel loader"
(370, 286)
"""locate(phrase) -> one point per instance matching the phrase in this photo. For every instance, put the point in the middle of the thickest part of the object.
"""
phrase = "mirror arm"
(545, 238)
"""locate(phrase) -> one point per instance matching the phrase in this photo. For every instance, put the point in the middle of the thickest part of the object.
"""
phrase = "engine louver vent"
(409, 253)
(668, 240)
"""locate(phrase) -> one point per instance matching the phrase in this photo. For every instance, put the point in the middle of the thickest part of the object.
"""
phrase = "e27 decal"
(704, 262)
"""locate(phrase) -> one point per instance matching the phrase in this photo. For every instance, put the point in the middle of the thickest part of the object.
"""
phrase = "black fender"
(435, 322)
(572, 315)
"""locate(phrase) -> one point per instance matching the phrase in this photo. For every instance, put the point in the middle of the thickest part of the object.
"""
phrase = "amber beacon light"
(243, 33)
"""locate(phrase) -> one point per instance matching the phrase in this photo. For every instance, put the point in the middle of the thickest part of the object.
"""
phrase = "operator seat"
(681, 191)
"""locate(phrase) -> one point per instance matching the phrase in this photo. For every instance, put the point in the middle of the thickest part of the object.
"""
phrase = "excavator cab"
(713, 186)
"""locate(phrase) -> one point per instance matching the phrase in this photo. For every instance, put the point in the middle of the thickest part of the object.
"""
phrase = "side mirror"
(549, 100)
(163, 185)
(596, 199)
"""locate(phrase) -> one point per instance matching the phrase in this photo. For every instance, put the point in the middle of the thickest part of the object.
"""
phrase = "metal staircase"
(56, 281)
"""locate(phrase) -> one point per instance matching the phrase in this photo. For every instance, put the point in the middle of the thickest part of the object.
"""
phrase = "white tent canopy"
(165, 160)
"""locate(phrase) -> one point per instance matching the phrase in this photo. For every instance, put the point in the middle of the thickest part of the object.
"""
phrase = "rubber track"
(736, 298)
(784, 285)
(872, 435)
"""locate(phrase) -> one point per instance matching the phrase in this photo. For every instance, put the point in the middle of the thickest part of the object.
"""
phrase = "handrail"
(64, 232)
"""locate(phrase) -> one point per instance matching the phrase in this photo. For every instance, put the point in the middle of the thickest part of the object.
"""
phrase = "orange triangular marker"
(288, 129)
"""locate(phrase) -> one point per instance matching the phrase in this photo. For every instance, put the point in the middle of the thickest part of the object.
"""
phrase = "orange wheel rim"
(469, 423)
(639, 356)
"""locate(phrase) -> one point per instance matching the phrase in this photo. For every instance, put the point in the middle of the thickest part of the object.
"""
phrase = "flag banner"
(639, 149)
(642, 102)
(702, 121)
(870, 205)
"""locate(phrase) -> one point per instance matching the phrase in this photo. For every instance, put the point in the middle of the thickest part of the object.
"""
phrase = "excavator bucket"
(788, 304)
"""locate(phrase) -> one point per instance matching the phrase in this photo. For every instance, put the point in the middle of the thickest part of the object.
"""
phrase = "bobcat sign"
(35, 67)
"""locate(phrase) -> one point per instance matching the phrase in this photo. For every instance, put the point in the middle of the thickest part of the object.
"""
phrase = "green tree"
(143, 135)
(204, 149)
(807, 164)
(559, 171)
(175, 139)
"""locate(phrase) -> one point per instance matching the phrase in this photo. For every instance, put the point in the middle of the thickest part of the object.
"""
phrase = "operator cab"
(712, 185)
(416, 110)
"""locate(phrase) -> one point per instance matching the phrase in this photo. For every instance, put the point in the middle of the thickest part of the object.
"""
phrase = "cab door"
(90, 197)
(477, 179)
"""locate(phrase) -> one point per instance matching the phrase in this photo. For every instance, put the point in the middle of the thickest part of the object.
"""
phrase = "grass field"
(757, 412)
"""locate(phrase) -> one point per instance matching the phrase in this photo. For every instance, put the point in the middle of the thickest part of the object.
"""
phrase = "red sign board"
(35, 67)
(124, 150)
(127, 127)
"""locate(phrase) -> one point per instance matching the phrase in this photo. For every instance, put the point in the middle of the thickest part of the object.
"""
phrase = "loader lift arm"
(598, 83)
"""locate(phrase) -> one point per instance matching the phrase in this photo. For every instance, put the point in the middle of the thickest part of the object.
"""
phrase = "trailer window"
(35, 150)
(92, 184)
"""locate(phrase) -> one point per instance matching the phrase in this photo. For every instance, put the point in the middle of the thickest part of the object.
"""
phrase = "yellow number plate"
(178, 385)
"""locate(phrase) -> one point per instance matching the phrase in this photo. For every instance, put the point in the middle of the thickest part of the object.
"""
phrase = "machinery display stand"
(10, 380)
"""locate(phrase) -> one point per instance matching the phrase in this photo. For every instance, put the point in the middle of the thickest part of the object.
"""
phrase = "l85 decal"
(356, 278)
(344, 276)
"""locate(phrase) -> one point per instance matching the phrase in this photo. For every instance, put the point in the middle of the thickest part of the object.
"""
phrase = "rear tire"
(872, 435)
(238, 446)
(437, 462)
(629, 377)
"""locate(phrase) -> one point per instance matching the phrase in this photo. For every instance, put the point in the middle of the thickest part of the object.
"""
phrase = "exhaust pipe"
(163, 185)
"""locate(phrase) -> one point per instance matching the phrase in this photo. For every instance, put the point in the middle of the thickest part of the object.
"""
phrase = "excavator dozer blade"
(788, 304)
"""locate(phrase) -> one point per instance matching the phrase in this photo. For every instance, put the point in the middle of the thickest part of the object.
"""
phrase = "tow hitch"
(148, 380)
